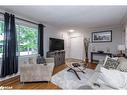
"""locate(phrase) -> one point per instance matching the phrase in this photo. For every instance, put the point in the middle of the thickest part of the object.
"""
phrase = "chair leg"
(22, 83)
(48, 85)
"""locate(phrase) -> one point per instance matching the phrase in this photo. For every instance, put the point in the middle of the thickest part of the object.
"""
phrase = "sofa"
(115, 81)
(37, 72)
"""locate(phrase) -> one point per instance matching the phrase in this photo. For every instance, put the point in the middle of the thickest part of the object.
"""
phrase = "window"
(1, 37)
(27, 39)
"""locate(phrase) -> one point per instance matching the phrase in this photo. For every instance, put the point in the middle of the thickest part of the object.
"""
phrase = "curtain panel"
(40, 39)
(9, 59)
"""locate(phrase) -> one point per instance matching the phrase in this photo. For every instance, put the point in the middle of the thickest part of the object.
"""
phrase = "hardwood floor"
(15, 82)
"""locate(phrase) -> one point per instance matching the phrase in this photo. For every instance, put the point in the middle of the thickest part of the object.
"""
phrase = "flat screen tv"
(56, 44)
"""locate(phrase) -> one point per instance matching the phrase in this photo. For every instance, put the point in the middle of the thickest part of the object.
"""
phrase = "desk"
(99, 53)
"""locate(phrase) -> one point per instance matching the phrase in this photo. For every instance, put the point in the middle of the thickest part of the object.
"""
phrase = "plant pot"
(87, 60)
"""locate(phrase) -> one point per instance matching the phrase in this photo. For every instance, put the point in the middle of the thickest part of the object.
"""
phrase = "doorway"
(76, 47)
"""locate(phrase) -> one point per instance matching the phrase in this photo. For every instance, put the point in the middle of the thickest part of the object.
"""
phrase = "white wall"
(118, 37)
(126, 38)
(55, 32)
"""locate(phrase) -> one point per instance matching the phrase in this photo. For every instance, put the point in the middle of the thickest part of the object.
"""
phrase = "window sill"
(23, 57)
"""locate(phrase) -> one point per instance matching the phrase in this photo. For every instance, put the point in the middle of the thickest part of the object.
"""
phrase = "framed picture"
(102, 36)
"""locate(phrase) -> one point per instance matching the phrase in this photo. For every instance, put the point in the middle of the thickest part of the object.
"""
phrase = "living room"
(71, 25)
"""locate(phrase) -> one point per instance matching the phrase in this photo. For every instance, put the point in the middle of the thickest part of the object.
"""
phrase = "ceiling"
(72, 16)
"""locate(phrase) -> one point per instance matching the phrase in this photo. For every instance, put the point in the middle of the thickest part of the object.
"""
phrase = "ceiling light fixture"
(71, 30)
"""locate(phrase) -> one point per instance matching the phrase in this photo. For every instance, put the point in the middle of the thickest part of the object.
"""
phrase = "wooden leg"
(48, 84)
(22, 83)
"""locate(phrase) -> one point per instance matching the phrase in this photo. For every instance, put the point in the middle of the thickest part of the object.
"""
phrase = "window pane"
(1, 37)
(27, 40)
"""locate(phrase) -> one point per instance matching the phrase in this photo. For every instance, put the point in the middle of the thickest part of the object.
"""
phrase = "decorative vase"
(87, 60)
(86, 63)
(86, 47)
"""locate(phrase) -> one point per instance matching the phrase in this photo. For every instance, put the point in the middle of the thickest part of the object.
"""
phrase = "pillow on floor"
(114, 78)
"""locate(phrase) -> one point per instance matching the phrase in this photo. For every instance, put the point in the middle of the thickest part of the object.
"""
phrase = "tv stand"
(59, 56)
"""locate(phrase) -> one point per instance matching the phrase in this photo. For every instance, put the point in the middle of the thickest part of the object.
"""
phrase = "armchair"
(37, 72)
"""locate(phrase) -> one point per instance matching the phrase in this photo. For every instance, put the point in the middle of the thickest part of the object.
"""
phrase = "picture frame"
(102, 36)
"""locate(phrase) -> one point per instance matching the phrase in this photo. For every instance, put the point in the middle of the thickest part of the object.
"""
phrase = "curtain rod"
(1, 13)
(26, 20)
(23, 19)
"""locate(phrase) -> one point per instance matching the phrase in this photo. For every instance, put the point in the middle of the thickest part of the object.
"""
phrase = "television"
(56, 44)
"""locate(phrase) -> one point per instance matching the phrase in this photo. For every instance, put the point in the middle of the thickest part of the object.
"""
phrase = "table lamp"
(121, 48)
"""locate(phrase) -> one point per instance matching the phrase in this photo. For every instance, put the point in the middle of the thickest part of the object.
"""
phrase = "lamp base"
(121, 54)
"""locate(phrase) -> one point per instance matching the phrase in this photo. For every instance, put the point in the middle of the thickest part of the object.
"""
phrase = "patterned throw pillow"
(41, 60)
(111, 64)
(123, 64)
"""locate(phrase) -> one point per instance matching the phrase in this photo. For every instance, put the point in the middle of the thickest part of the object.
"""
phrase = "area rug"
(68, 80)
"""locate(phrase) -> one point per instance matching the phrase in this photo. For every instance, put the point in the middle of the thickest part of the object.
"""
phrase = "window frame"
(18, 42)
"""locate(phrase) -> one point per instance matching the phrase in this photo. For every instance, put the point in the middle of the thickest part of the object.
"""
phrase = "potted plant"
(86, 47)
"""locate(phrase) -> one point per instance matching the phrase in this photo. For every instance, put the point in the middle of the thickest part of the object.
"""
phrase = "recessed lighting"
(71, 30)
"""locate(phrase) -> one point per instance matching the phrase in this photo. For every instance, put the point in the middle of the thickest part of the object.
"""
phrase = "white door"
(76, 48)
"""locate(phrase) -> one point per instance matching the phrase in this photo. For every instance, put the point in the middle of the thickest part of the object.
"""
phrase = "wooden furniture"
(59, 57)
(99, 53)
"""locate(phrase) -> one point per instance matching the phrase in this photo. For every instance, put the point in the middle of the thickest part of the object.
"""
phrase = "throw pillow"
(105, 60)
(111, 63)
(107, 57)
(114, 78)
(31, 60)
(123, 64)
(41, 60)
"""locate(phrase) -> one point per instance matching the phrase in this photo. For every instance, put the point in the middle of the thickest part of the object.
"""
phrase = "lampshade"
(121, 47)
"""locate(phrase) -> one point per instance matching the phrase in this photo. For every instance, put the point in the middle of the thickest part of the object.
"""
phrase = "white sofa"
(37, 72)
(95, 76)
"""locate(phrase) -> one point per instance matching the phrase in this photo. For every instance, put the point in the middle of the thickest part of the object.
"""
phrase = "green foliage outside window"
(26, 39)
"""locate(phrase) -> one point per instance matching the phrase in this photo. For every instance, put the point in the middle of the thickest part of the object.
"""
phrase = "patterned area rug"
(68, 80)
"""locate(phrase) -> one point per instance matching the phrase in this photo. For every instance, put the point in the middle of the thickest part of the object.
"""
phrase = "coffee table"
(76, 68)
